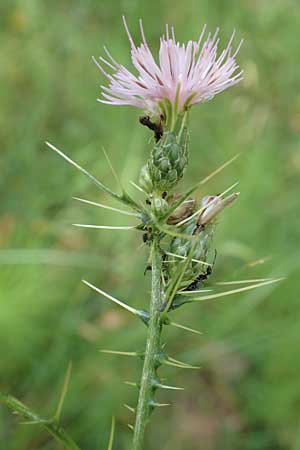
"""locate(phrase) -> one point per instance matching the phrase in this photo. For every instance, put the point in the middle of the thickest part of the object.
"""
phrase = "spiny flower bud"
(168, 161)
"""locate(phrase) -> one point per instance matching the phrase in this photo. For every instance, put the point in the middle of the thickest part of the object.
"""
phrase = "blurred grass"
(247, 394)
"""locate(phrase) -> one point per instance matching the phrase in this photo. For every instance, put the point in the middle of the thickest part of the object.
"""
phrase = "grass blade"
(112, 434)
(63, 392)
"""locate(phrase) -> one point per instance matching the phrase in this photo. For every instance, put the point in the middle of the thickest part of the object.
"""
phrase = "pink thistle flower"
(184, 76)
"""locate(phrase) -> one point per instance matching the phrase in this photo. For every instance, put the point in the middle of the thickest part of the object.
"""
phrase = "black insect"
(147, 236)
(147, 268)
(202, 277)
(156, 127)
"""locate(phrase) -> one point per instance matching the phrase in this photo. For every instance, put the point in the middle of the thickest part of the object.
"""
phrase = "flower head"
(183, 76)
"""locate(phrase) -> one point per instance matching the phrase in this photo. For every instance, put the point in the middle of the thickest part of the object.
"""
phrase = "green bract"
(202, 252)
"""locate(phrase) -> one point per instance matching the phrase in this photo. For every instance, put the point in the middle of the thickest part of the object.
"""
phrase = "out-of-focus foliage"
(247, 394)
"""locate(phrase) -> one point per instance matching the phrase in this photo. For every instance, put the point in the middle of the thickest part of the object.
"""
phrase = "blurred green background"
(247, 394)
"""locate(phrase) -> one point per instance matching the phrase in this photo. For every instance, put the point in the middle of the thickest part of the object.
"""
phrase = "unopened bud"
(203, 229)
(183, 211)
(215, 205)
(160, 206)
(168, 159)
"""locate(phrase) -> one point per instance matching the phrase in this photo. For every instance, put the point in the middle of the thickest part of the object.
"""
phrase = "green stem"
(147, 387)
(52, 426)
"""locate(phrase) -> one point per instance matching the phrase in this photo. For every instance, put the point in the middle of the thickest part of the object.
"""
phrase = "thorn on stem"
(159, 405)
(183, 327)
(173, 388)
(143, 315)
(131, 383)
(116, 352)
(129, 408)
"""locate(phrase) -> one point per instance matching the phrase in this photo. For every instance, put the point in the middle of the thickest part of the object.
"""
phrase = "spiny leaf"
(124, 198)
(99, 205)
(141, 314)
(235, 291)
(257, 280)
(103, 227)
(113, 171)
(81, 169)
(177, 325)
(170, 362)
(182, 363)
(138, 187)
(196, 291)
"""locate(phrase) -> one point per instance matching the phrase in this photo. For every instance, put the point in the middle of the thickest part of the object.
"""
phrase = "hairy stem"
(147, 385)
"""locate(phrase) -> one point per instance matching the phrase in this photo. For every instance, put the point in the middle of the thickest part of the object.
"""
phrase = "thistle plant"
(177, 227)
